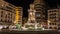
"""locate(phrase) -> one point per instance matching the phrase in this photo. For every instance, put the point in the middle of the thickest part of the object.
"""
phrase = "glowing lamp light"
(48, 21)
(2, 5)
(24, 28)
(36, 26)
(42, 28)
(30, 13)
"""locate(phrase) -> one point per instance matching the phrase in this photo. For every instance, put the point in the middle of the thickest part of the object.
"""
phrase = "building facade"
(59, 18)
(40, 16)
(7, 13)
(19, 14)
(53, 18)
(39, 6)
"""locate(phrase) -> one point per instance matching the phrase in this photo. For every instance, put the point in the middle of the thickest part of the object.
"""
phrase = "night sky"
(25, 4)
(22, 3)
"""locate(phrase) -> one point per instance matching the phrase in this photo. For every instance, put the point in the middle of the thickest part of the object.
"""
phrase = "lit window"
(30, 13)
(2, 5)
(38, 15)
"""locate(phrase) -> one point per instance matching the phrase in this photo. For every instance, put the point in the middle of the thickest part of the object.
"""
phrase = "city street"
(29, 16)
(29, 32)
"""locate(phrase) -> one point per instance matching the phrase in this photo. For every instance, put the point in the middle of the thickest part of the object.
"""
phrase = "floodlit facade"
(53, 18)
(7, 13)
(39, 6)
(19, 14)
(40, 13)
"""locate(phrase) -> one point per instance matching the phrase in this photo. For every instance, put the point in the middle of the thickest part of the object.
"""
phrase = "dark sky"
(25, 4)
(52, 3)
(22, 3)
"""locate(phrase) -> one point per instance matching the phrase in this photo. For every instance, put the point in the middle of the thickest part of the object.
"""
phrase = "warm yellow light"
(17, 15)
(30, 13)
(49, 21)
